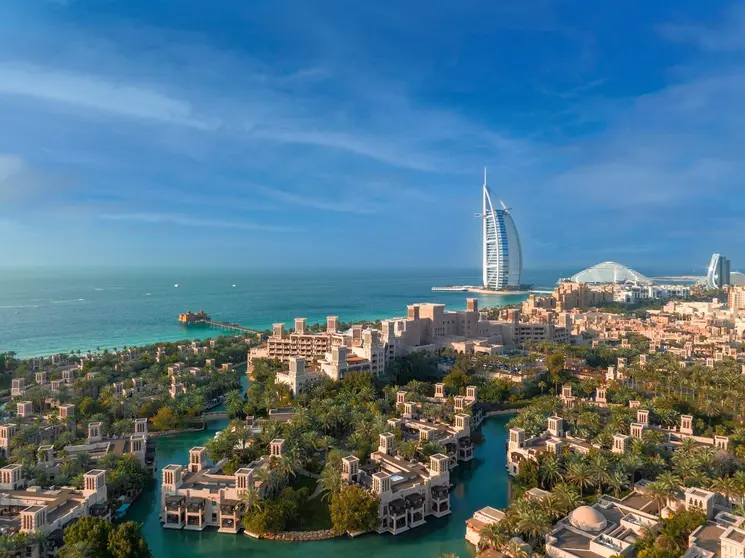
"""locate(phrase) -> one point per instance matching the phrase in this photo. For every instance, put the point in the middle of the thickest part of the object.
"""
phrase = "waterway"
(483, 482)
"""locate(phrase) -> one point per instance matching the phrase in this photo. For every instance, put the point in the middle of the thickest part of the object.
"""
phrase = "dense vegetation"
(97, 538)
(329, 421)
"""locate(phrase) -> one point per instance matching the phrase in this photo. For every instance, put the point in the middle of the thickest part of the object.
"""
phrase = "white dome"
(587, 519)
(610, 272)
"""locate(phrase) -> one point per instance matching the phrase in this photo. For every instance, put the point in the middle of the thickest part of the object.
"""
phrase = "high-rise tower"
(502, 253)
(718, 274)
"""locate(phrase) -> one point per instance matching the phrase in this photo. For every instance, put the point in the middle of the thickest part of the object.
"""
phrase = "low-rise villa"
(198, 495)
(409, 491)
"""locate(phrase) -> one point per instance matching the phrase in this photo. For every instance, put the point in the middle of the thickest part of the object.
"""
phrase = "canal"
(483, 482)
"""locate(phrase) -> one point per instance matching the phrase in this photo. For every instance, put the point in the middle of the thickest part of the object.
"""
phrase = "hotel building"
(198, 495)
(502, 253)
(408, 491)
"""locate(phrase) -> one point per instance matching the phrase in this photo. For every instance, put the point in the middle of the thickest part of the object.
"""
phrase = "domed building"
(588, 519)
(610, 272)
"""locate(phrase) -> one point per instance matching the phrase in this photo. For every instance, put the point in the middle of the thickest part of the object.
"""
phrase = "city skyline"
(141, 134)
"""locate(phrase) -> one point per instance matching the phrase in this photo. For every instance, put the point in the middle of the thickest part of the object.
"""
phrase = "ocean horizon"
(47, 311)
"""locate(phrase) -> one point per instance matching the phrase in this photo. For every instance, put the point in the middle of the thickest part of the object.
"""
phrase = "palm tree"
(549, 471)
(739, 478)
(515, 548)
(80, 549)
(330, 481)
(324, 443)
(567, 498)
(600, 471)
(492, 536)
(726, 486)
(533, 523)
(670, 481)
(250, 500)
(579, 474)
(617, 482)
(632, 463)
(660, 494)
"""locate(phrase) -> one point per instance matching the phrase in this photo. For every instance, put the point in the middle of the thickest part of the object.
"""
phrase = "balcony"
(440, 492)
(174, 521)
(175, 503)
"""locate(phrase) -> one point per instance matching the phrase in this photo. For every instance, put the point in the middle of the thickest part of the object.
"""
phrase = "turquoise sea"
(44, 312)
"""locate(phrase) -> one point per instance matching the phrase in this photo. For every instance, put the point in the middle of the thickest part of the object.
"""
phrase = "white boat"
(176, 285)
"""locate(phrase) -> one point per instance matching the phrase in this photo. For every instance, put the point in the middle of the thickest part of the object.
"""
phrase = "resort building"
(430, 327)
(17, 387)
(297, 376)
(482, 518)
(97, 445)
(313, 346)
(454, 441)
(610, 273)
(198, 495)
(502, 259)
(569, 296)
(607, 528)
(408, 491)
(723, 536)
(29, 509)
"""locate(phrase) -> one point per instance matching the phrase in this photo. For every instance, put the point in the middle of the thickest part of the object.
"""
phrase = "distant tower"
(502, 253)
(718, 274)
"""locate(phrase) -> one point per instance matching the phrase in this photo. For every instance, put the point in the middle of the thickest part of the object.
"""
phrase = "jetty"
(201, 318)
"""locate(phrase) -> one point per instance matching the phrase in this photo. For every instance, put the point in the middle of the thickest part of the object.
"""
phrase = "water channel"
(483, 482)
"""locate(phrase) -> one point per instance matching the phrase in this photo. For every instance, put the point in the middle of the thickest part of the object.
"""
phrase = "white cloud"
(188, 221)
(93, 93)
(17, 180)
(341, 206)
(727, 36)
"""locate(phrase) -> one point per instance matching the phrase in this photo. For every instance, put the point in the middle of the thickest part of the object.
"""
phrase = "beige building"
(570, 296)
(736, 298)
(198, 495)
(482, 518)
(313, 346)
(429, 327)
(408, 491)
(298, 377)
(606, 529)
(30, 509)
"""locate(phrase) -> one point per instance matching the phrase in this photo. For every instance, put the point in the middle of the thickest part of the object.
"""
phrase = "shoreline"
(479, 290)
(191, 334)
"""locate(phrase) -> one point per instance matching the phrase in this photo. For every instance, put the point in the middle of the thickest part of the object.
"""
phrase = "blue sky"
(276, 132)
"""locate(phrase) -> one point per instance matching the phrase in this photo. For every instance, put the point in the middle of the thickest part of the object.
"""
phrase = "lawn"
(314, 515)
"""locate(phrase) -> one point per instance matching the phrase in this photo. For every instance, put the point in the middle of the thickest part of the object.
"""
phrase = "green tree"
(330, 480)
(90, 532)
(354, 510)
(126, 541)
(165, 419)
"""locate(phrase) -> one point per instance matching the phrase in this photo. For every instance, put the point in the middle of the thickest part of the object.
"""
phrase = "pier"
(201, 318)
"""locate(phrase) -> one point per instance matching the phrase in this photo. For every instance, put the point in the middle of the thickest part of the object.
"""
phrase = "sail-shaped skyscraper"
(502, 253)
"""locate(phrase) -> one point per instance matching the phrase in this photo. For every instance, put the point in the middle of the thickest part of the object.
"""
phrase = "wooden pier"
(200, 318)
